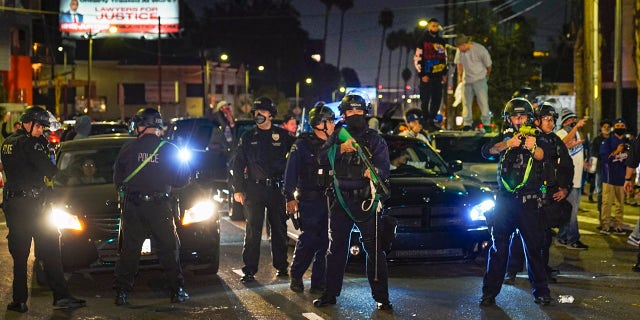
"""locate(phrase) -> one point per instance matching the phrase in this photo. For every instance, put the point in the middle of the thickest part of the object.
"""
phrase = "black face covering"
(619, 131)
(433, 33)
(568, 128)
(260, 119)
(356, 123)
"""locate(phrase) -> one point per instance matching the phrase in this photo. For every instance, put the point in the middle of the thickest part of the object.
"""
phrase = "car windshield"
(86, 167)
(465, 148)
(411, 158)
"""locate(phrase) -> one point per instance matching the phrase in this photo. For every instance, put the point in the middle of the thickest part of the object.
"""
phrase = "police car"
(84, 207)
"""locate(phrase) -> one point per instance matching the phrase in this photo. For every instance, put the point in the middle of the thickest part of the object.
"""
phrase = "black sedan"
(86, 211)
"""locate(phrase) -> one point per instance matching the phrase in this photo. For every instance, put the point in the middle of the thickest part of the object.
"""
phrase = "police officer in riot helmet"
(145, 172)
(258, 171)
(557, 173)
(518, 202)
(351, 199)
(26, 165)
(304, 190)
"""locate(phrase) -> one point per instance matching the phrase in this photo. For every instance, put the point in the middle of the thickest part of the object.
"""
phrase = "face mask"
(433, 33)
(356, 123)
(620, 131)
(569, 127)
(260, 119)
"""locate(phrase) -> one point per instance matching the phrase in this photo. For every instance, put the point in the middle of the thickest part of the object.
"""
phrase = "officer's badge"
(275, 136)
(38, 146)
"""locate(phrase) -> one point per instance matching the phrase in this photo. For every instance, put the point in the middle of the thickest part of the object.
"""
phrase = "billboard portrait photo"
(119, 18)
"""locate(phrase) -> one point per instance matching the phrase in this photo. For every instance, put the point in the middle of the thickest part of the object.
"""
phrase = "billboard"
(118, 18)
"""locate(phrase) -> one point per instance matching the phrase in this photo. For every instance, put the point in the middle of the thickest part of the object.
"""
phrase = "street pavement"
(600, 280)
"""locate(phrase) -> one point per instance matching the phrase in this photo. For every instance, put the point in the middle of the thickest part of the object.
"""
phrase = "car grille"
(428, 217)
(434, 253)
(106, 223)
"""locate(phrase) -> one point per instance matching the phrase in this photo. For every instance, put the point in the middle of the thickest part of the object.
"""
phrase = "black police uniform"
(522, 210)
(349, 170)
(308, 179)
(557, 172)
(261, 156)
(148, 209)
(26, 163)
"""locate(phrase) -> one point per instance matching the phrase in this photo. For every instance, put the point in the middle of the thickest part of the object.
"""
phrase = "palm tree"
(327, 8)
(343, 5)
(405, 40)
(385, 19)
(393, 43)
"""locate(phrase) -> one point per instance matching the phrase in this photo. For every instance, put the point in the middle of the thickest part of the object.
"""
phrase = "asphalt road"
(600, 279)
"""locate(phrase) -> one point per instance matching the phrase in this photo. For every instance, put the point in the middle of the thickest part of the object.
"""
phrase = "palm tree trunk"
(399, 68)
(340, 40)
(324, 36)
(578, 67)
(389, 67)
(384, 31)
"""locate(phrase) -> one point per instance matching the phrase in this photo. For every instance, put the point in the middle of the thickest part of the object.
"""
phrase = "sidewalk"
(588, 216)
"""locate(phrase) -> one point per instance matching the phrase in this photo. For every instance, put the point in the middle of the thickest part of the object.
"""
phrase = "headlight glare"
(477, 212)
(202, 211)
(184, 155)
(64, 220)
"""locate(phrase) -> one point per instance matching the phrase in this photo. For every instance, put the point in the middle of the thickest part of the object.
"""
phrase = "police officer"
(145, 172)
(261, 156)
(557, 173)
(518, 203)
(351, 199)
(307, 180)
(26, 164)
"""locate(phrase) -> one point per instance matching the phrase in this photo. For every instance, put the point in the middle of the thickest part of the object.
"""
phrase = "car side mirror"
(455, 165)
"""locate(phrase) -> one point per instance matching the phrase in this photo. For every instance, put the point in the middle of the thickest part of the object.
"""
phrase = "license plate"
(146, 247)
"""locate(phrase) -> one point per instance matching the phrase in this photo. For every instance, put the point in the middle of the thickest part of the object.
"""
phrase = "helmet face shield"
(355, 100)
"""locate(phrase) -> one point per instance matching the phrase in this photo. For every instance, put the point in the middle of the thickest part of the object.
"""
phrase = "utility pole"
(593, 103)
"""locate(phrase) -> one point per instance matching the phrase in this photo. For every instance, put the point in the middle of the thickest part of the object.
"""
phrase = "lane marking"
(312, 316)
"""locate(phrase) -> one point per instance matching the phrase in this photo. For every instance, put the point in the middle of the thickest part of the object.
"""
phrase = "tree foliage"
(511, 47)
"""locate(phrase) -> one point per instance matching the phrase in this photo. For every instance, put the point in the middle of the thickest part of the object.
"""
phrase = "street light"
(307, 81)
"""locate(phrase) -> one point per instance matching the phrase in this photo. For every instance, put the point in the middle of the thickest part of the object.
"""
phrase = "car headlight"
(202, 211)
(478, 211)
(64, 220)
(184, 154)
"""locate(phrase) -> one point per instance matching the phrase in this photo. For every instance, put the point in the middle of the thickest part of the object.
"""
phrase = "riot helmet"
(515, 107)
(547, 109)
(264, 103)
(355, 100)
(40, 116)
(320, 113)
(145, 117)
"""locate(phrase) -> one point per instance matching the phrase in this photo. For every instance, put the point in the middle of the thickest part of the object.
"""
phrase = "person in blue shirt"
(614, 152)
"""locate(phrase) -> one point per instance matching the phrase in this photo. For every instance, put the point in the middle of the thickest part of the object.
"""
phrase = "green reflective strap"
(524, 180)
(332, 154)
(144, 163)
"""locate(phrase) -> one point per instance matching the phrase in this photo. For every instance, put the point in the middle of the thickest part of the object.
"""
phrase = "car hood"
(433, 191)
(485, 172)
(92, 200)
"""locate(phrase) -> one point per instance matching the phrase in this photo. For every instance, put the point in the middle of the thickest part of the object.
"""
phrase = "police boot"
(296, 285)
(179, 296)
(324, 301)
(17, 307)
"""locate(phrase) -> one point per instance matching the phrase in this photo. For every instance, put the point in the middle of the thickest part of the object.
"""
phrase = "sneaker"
(605, 231)
(618, 231)
(248, 277)
(636, 267)
(633, 241)
(578, 246)
(545, 301)
(561, 243)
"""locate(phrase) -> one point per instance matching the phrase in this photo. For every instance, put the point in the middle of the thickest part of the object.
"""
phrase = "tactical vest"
(349, 166)
(312, 170)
